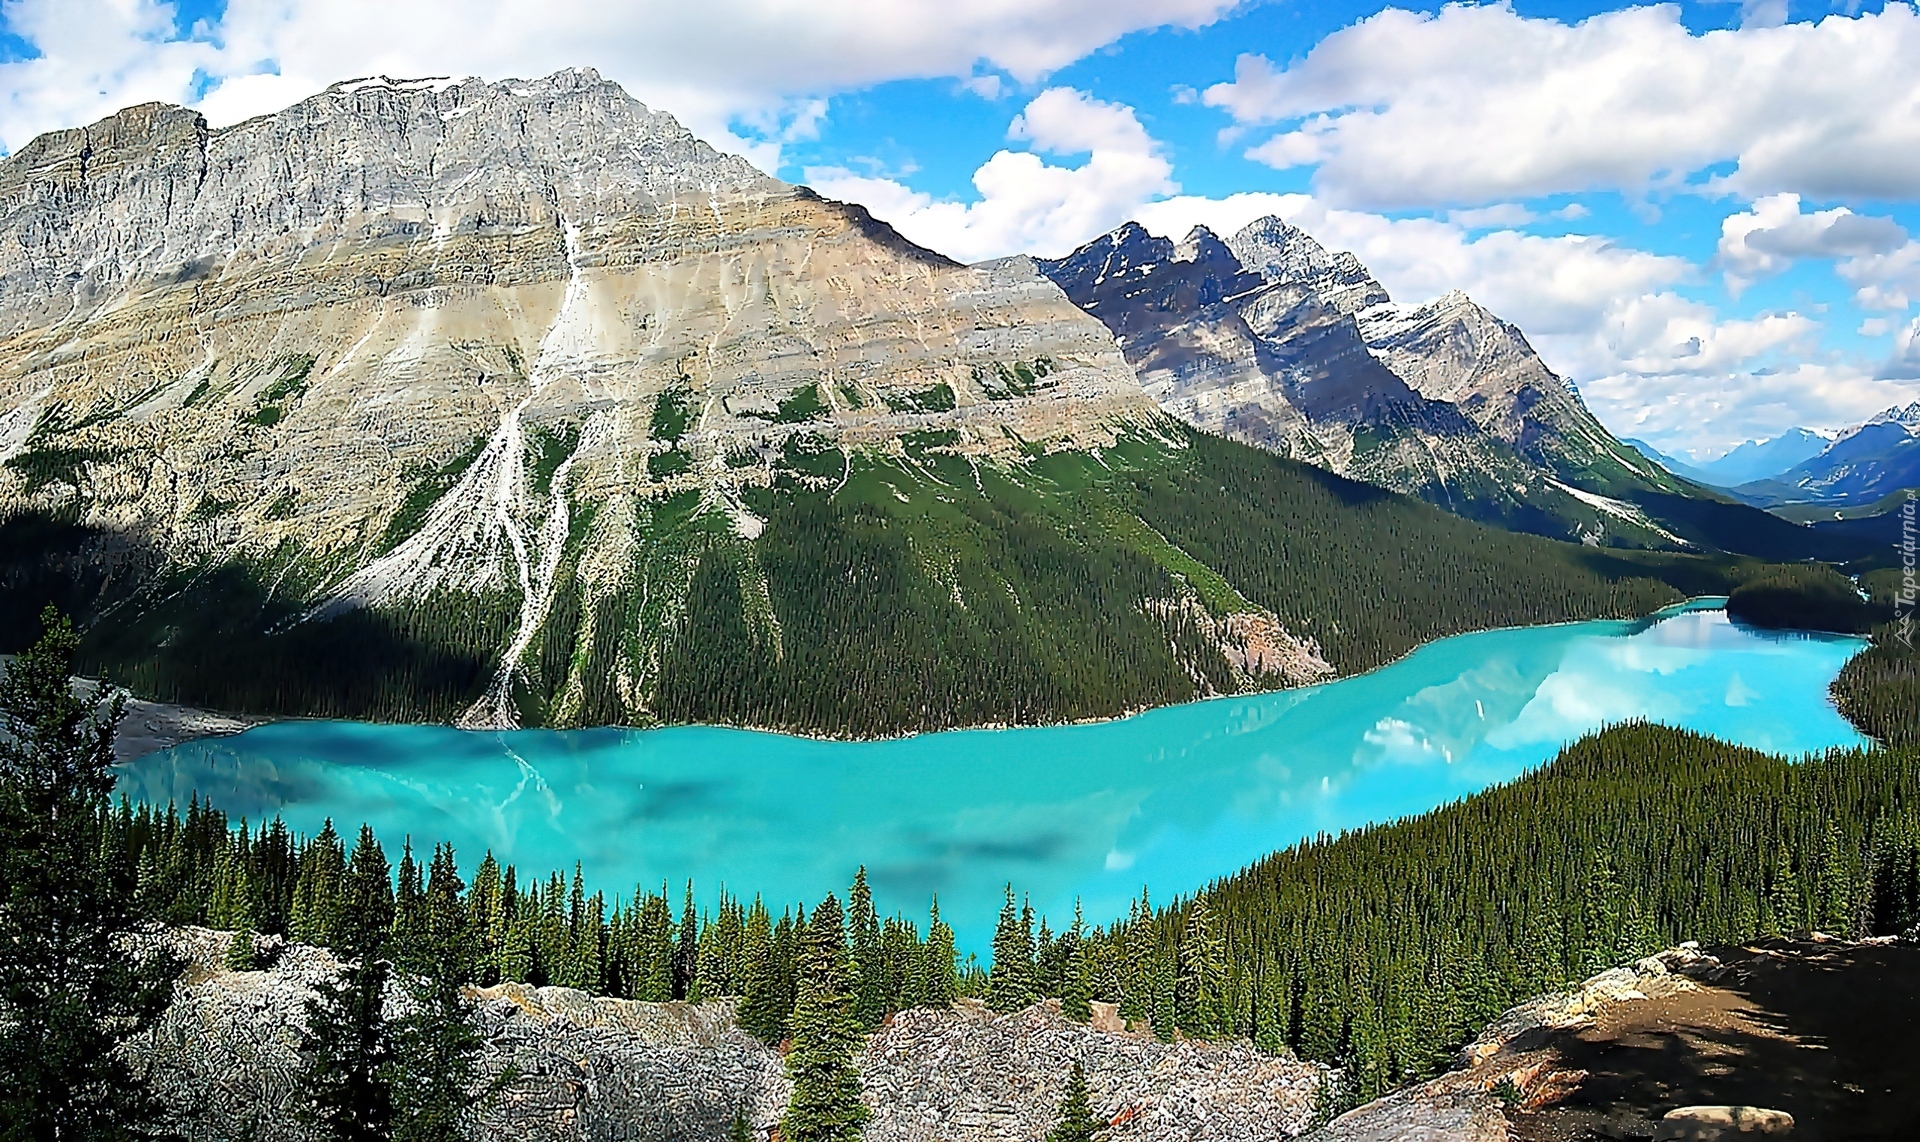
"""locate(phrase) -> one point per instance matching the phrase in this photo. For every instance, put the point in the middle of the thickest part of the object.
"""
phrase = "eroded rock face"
(409, 338)
(1270, 339)
(225, 1062)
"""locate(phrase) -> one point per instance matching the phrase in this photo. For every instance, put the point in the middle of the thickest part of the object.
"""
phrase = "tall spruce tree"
(347, 1047)
(1200, 987)
(1010, 979)
(939, 967)
(435, 1070)
(1076, 990)
(825, 1105)
(70, 988)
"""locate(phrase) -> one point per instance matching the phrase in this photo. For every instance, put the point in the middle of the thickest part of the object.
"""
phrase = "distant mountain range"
(1864, 464)
(1268, 338)
(1752, 460)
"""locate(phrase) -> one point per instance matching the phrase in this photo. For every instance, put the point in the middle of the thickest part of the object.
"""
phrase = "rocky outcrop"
(968, 1074)
(1808, 1036)
(224, 1060)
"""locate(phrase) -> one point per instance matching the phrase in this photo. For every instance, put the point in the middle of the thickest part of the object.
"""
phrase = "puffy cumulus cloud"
(1479, 103)
(1884, 281)
(1772, 234)
(1904, 365)
(709, 63)
(1665, 335)
(1706, 414)
(1026, 204)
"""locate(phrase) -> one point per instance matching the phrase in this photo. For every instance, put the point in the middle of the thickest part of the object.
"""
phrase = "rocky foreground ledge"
(593, 1068)
(1820, 1032)
(1811, 1038)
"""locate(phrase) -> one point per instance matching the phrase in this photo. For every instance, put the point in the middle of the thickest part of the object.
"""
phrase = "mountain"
(1269, 339)
(1750, 461)
(513, 403)
(1667, 460)
(1762, 459)
(1460, 411)
(1863, 464)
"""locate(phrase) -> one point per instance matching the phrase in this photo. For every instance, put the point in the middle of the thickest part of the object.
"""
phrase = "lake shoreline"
(167, 725)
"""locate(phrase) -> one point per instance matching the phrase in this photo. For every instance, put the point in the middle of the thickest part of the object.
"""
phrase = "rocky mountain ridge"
(436, 348)
(1269, 338)
(1861, 465)
(514, 404)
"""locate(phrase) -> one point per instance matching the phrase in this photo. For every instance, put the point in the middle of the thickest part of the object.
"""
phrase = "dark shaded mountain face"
(1269, 339)
(1865, 464)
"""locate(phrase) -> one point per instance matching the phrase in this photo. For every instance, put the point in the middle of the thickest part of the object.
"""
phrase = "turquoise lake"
(1170, 799)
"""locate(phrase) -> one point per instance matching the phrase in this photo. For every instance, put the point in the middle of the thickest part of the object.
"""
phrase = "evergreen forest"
(1380, 951)
(883, 595)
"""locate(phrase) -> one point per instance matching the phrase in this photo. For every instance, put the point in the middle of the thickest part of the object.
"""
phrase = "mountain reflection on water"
(1170, 799)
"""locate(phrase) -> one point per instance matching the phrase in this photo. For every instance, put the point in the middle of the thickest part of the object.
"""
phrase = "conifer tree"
(1202, 968)
(435, 1069)
(686, 952)
(825, 1105)
(939, 966)
(1076, 990)
(1076, 1121)
(346, 1046)
(69, 990)
(863, 935)
(409, 910)
(762, 1008)
(1010, 979)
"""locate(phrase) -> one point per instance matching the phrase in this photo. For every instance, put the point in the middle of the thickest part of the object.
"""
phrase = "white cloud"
(707, 63)
(1499, 214)
(1707, 413)
(1885, 281)
(1772, 234)
(1026, 204)
(1480, 103)
(1904, 365)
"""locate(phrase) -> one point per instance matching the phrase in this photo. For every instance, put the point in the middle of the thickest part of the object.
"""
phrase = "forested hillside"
(880, 595)
(1382, 950)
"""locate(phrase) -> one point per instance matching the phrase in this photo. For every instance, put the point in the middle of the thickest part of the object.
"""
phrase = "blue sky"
(1705, 215)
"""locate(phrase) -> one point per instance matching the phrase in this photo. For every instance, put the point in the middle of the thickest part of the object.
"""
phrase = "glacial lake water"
(1170, 799)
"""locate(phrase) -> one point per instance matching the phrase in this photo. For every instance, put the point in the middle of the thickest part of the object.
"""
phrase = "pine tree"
(762, 1009)
(1076, 1121)
(435, 1070)
(1010, 979)
(939, 969)
(346, 1047)
(70, 992)
(825, 1105)
(1076, 991)
(1202, 968)
(686, 952)
(863, 932)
